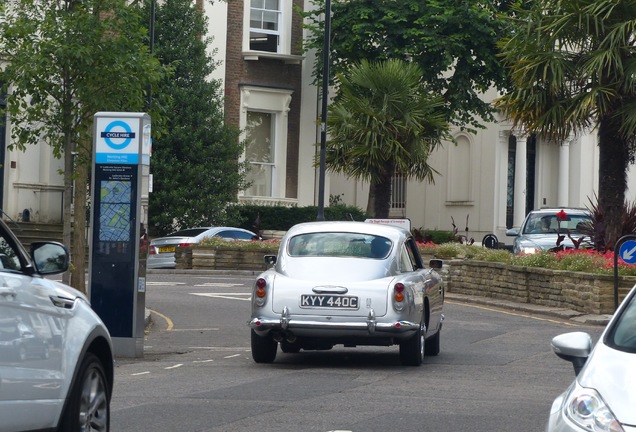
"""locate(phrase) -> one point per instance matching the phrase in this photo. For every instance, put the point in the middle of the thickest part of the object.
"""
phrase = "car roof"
(184, 232)
(390, 231)
(550, 210)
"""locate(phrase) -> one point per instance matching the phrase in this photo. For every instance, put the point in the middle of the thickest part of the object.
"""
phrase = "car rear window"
(339, 244)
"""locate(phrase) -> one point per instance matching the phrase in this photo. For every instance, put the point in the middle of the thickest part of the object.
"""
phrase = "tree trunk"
(613, 164)
(382, 192)
(78, 279)
(67, 199)
(371, 200)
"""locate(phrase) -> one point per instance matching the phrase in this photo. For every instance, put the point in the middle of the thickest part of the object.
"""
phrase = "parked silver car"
(603, 395)
(349, 283)
(161, 253)
(542, 229)
(56, 357)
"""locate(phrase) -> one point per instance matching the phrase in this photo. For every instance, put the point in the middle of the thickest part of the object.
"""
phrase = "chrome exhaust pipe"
(277, 337)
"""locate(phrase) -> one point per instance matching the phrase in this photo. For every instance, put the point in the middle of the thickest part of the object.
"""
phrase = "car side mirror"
(49, 257)
(436, 264)
(512, 232)
(574, 347)
(270, 259)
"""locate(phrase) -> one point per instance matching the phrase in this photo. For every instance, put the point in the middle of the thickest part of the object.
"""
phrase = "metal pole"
(152, 48)
(323, 123)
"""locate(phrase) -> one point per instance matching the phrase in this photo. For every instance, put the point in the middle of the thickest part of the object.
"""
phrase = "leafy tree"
(194, 165)
(454, 42)
(66, 60)
(572, 65)
(385, 121)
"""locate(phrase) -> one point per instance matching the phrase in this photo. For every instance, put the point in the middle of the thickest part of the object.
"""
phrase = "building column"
(501, 180)
(521, 165)
(563, 191)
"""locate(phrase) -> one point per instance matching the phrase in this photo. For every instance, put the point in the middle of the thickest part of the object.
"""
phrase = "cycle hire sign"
(117, 140)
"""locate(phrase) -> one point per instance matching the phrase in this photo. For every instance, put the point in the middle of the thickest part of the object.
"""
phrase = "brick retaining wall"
(581, 292)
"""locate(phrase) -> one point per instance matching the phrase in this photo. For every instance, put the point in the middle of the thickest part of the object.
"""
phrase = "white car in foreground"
(56, 356)
(602, 398)
(347, 283)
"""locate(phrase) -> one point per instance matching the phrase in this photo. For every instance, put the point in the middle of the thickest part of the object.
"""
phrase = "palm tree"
(384, 121)
(572, 64)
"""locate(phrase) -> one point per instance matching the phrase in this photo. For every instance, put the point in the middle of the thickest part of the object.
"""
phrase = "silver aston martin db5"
(348, 283)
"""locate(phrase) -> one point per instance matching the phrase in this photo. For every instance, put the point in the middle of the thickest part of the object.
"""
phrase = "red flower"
(562, 216)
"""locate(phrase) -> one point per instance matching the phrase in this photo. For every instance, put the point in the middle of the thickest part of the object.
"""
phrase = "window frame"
(274, 101)
(284, 29)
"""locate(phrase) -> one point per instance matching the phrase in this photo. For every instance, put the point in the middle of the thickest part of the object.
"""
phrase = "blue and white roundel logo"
(115, 138)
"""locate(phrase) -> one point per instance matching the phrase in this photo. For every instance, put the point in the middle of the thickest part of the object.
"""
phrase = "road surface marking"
(174, 367)
(228, 296)
(168, 321)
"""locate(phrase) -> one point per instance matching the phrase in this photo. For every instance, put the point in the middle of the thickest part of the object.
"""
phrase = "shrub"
(580, 260)
(268, 246)
(279, 218)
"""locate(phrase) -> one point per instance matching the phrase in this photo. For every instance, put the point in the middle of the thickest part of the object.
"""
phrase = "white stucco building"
(494, 176)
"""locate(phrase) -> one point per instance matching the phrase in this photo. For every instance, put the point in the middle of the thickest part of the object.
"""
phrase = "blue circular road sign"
(627, 252)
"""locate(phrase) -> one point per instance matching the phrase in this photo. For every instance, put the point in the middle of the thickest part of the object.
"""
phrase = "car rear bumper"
(334, 327)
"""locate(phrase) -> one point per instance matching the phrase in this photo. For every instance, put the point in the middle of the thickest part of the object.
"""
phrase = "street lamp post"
(323, 122)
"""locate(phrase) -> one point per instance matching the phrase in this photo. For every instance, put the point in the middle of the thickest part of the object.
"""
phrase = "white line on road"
(174, 367)
(141, 373)
(218, 284)
(235, 355)
(164, 283)
(228, 296)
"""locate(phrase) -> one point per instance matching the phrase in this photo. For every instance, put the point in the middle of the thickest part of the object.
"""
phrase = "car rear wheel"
(431, 345)
(412, 350)
(88, 406)
(263, 348)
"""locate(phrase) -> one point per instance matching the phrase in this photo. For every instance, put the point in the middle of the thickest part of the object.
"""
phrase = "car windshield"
(339, 244)
(623, 334)
(191, 232)
(545, 223)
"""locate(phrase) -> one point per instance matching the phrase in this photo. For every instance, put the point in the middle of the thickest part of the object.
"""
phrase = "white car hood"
(612, 374)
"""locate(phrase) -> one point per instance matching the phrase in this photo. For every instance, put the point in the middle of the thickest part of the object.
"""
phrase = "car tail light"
(153, 250)
(260, 291)
(399, 292)
(398, 296)
(185, 244)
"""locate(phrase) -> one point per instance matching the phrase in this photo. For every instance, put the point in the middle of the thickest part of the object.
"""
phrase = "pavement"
(527, 308)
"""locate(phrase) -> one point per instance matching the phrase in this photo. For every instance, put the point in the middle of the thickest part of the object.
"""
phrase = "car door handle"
(8, 293)
(62, 302)
(330, 290)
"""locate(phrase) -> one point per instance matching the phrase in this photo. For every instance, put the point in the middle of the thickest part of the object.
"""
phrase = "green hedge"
(281, 218)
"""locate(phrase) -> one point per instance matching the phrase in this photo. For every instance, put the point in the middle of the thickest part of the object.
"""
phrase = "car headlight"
(586, 409)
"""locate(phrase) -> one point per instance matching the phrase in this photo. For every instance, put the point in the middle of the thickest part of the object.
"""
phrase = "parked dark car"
(161, 252)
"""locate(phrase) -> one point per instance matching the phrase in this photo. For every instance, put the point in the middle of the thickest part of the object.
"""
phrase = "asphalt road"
(495, 372)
